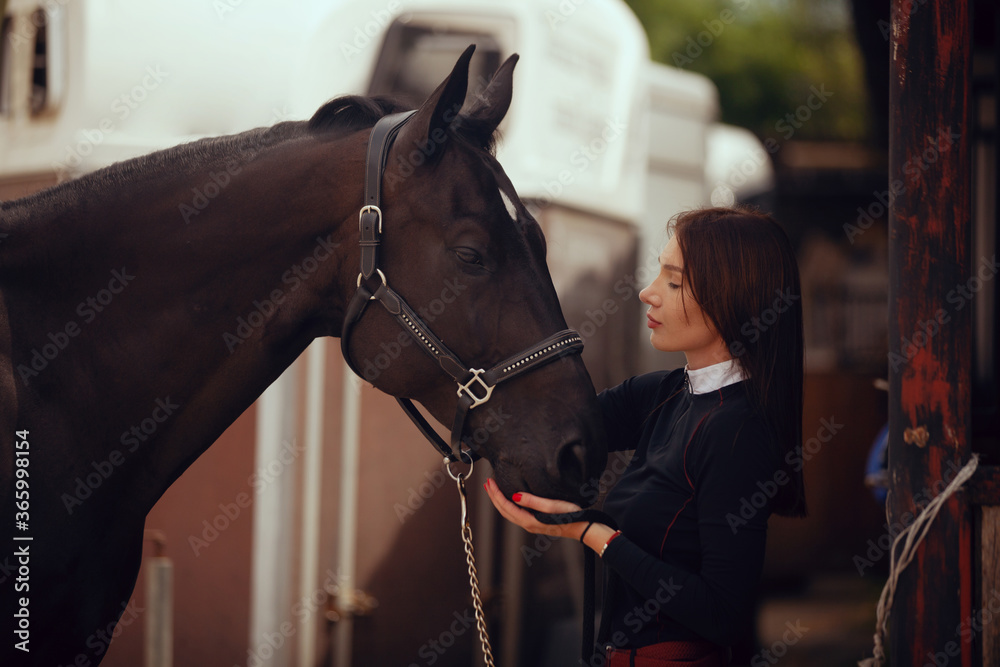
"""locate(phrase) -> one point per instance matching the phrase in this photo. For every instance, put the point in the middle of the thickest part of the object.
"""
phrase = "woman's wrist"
(598, 536)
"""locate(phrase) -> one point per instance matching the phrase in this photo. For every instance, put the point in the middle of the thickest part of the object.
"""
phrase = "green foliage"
(768, 58)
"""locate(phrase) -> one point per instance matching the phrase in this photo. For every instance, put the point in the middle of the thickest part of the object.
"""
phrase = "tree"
(784, 68)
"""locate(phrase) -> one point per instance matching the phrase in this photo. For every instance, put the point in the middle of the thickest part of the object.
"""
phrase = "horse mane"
(351, 113)
(190, 157)
(346, 114)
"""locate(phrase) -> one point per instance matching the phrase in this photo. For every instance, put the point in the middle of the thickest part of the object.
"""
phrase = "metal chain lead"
(477, 601)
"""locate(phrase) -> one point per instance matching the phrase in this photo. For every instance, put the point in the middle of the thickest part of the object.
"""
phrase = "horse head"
(461, 249)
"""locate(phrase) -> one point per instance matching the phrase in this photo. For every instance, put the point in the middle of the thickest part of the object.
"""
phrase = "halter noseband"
(475, 386)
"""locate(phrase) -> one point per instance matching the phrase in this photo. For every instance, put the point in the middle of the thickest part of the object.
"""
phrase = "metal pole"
(312, 490)
(350, 446)
(272, 582)
(159, 612)
(159, 639)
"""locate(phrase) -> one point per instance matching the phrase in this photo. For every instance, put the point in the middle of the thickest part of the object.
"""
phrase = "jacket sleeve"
(733, 472)
(626, 407)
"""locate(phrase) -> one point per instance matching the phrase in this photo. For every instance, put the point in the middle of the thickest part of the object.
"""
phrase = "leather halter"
(475, 386)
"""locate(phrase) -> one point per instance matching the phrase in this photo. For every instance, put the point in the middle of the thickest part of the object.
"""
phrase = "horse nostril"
(572, 462)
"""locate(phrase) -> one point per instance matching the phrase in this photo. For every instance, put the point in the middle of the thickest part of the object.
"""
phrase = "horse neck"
(194, 290)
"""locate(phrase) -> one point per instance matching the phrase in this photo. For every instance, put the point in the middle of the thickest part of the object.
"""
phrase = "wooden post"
(930, 181)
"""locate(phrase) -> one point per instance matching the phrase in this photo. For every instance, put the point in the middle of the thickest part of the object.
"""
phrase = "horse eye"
(469, 256)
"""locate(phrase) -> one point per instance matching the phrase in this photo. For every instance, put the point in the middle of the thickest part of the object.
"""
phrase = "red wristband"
(610, 539)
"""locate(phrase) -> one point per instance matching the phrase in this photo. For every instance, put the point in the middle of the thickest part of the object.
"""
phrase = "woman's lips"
(651, 323)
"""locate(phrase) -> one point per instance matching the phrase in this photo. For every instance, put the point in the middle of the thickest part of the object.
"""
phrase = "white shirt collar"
(716, 376)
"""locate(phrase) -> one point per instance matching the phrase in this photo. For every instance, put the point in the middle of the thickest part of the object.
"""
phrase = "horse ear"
(441, 108)
(492, 104)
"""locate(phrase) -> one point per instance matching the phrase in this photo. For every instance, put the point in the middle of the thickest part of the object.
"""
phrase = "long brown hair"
(742, 271)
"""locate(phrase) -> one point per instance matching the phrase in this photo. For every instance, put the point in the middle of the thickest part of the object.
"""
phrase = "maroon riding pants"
(670, 654)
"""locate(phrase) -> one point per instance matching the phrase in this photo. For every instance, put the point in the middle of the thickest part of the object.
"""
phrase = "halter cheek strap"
(370, 222)
(475, 385)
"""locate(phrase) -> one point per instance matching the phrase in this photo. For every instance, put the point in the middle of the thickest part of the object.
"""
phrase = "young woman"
(716, 445)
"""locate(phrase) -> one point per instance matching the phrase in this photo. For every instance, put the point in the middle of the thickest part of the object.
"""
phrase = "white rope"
(913, 536)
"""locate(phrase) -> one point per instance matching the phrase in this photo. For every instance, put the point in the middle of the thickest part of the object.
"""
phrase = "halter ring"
(380, 275)
(459, 476)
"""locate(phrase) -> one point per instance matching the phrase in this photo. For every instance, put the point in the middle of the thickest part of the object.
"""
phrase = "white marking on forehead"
(511, 209)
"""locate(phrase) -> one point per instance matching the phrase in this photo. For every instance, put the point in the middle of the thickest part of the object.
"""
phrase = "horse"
(146, 305)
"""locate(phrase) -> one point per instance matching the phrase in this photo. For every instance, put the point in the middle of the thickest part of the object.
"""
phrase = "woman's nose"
(647, 296)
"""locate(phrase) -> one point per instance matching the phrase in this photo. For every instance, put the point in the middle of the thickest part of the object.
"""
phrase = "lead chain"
(477, 601)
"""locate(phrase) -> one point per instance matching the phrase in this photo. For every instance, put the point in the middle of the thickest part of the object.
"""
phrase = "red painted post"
(930, 318)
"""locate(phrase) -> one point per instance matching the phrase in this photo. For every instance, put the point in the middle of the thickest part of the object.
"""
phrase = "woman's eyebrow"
(672, 267)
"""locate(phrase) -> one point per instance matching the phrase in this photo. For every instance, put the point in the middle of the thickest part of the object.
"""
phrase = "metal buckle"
(477, 401)
(371, 209)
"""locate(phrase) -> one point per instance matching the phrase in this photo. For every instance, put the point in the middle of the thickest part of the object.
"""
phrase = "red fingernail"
(487, 485)
(516, 497)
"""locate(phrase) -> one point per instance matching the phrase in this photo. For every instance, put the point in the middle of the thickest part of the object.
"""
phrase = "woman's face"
(671, 330)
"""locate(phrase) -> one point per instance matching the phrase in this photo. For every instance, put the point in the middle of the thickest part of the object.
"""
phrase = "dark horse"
(167, 292)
